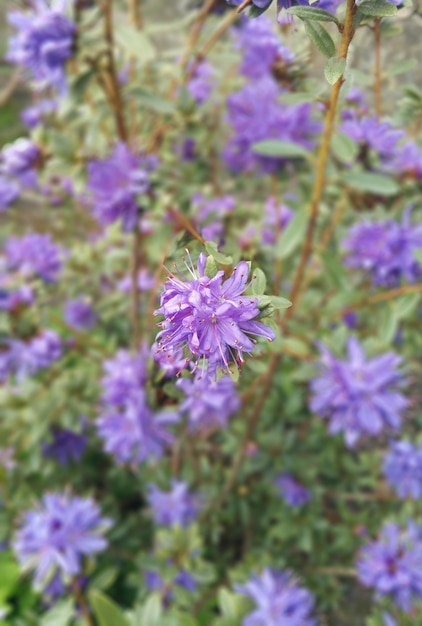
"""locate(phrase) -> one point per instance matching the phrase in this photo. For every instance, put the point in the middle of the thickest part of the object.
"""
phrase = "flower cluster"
(392, 565)
(66, 446)
(25, 359)
(208, 403)
(175, 507)
(43, 42)
(358, 396)
(209, 215)
(115, 183)
(210, 316)
(54, 538)
(79, 314)
(369, 133)
(403, 469)
(278, 599)
(19, 159)
(131, 432)
(201, 82)
(386, 250)
(292, 492)
(34, 255)
(276, 218)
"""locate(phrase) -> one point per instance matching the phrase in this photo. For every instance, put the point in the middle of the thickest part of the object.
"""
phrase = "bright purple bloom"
(278, 599)
(67, 446)
(209, 316)
(370, 132)
(208, 402)
(9, 192)
(359, 397)
(25, 359)
(44, 42)
(276, 218)
(115, 183)
(201, 83)
(124, 378)
(35, 254)
(19, 160)
(255, 114)
(33, 115)
(54, 538)
(403, 469)
(292, 492)
(175, 507)
(386, 250)
(261, 48)
(79, 314)
(171, 361)
(392, 566)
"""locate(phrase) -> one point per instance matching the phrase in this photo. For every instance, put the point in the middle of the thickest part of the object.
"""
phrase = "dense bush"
(209, 319)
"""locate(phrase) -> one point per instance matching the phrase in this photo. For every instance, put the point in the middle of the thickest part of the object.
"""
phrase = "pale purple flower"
(402, 468)
(408, 160)
(79, 314)
(359, 396)
(261, 48)
(53, 538)
(9, 192)
(201, 82)
(33, 115)
(279, 601)
(171, 361)
(43, 42)
(66, 446)
(146, 281)
(19, 160)
(208, 402)
(24, 359)
(210, 316)
(124, 378)
(184, 579)
(385, 250)
(175, 507)
(292, 491)
(276, 217)
(210, 213)
(34, 254)
(115, 184)
(392, 565)
(371, 133)
(11, 300)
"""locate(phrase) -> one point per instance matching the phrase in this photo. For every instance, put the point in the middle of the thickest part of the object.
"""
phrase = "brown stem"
(135, 295)
(135, 14)
(224, 26)
(81, 602)
(186, 224)
(196, 30)
(377, 85)
(322, 158)
(380, 297)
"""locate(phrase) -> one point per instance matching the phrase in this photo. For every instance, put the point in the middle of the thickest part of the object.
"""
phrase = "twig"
(12, 85)
(380, 297)
(224, 26)
(82, 603)
(377, 84)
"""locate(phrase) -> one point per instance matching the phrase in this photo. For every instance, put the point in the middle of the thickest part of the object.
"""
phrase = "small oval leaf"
(334, 69)
(320, 38)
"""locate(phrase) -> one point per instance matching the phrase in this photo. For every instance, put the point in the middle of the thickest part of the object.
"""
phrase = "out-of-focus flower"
(124, 378)
(292, 492)
(278, 599)
(359, 397)
(255, 114)
(145, 281)
(79, 314)
(34, 255)
(208, 402)
(261, 48)
(7, 458)
(115, 183)
(12, 299)
(43, 42)
(66, 446)
(276, 218)
(175, 507)
(9, 192)
(184, 579)
(24, 359)
(201, 82)
(209, 215)
(408, 160)
(386, 250)
(19, 160)
(392, 565)
(370, 132)
(210, 316)
(33, 115)
(403, 469)
(54, 538)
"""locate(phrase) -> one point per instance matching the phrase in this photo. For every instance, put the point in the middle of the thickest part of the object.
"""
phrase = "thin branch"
(377, 83)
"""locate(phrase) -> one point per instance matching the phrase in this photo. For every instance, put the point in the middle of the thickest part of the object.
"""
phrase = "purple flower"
(386, 250)
(19, 159)
(292, 492)
(146, 281)
(408, 160)
(208, 402)
(359, 397)
(255, 114)
(172, 361)
(210, 316)
(201, 82)
(9, 192)
(276, 218)
(210, 213)
(79, 314)
(175, 507)
(371, 133)
(7, 458)
(114, 184)
(33, 115)
(278, 599)
(125, 377)
(26, 358)
(12, 300)
(53, 538)
(66, 446)
(392, 566)
(44, 42)
(134, 434)
(261, 48)
(403, 469)
(184, 579)
(34, 254)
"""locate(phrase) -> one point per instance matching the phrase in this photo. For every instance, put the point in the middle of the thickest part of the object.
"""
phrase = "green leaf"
(371, 182)
(152, 101)
(107, 612)
(388, 325)
(152, 611)
(407, 65)
(256, 11)
(311, 13)
(212, 249)
(280, 303)
(292, 235)
(278, 148)
(211, 267)
(334, 69)
(377, 8)
(135, 43)
(320, 38)
(344, 148)
(59, 615)
(259, 282)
